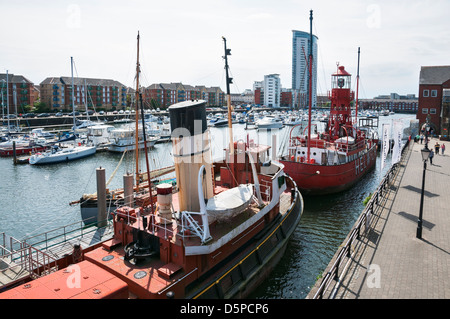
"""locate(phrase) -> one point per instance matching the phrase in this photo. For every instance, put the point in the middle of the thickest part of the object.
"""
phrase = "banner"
(385, 144)
(397, 136)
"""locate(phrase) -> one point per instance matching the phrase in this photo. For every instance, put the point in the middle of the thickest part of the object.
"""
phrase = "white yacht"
(269, 122)
(123, 139)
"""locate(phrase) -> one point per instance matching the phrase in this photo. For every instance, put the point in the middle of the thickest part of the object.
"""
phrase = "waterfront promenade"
(388, 261)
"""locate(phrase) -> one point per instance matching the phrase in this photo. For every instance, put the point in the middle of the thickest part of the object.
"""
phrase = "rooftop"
(434, 74)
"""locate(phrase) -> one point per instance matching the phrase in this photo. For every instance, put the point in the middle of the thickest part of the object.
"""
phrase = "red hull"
(313, 179)
(5, 152)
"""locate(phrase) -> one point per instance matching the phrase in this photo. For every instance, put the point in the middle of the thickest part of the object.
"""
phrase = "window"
(426, 93)
(432, 111)
(424, 111)
(433, 93)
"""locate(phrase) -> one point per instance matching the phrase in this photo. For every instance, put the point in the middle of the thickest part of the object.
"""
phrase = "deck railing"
(62, 234)
(363, 221)
(22, 260)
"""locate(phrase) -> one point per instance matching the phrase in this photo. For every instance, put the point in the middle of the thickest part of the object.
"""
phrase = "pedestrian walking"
(442, 148)
(431, 157)
(421, 139)
(436, 148)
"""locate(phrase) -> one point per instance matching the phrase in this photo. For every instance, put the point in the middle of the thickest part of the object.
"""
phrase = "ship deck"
(217, 229)
(151, 277)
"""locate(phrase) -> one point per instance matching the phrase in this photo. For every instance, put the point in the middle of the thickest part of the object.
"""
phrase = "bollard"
(101, 197)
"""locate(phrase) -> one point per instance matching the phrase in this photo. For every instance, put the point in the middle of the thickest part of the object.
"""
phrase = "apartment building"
(272, 90)
(98, 94)
(165, 94)
(16, 91)
(300, 74)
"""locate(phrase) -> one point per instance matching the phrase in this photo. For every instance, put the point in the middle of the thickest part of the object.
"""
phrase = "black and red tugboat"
(217, 234)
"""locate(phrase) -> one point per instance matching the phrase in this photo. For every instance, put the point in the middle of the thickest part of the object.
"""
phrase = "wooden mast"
(136, 133)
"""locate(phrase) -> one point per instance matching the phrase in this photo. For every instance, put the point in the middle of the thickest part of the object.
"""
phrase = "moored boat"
(64, 152)
(269, 122)
(335, 159)
(217, 235)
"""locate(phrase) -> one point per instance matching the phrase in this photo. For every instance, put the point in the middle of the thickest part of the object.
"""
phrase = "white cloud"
(182, 40)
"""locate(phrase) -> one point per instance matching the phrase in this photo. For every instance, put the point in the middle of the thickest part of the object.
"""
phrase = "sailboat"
(334, 160)
(64, 152)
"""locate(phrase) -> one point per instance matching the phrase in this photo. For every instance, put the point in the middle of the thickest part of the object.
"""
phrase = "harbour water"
(35, 199)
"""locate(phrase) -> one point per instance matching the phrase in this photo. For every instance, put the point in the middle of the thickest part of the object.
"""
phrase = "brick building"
(394, 105)
(286, 98)
(98, 94)
(21, 92)
(163, 95)
(433, 81)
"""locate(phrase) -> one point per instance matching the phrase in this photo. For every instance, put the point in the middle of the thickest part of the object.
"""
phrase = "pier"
(382, 258)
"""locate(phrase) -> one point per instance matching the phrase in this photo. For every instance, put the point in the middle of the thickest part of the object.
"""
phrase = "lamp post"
(425, 153)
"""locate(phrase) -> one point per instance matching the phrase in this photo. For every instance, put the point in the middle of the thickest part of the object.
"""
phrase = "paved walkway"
(389, 261)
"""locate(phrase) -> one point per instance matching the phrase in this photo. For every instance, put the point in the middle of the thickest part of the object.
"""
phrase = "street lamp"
(425, 154)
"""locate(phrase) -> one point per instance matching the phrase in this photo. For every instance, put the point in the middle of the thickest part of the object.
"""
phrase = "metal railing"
(363, 221)
(23, 261)
(63, 233)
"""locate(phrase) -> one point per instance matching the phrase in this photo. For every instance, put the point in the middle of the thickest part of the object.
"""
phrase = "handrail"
(65, 232)
(355, 233)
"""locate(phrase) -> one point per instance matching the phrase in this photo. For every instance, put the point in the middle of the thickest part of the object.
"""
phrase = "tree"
(41, 107)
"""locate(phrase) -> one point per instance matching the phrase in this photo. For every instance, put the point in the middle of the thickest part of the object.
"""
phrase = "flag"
(397, 136)
(385, 144)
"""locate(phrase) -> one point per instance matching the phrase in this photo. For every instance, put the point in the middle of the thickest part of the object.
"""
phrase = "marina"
(324, 224)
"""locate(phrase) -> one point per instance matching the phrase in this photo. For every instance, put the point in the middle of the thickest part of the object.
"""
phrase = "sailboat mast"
(357, 89)
(85, 100)
(229, 81)
(310, 86)
(73, 95)
(136, 133)
(7, 99)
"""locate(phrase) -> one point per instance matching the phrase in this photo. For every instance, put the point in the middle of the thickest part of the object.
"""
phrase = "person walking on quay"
(436, 148)
(421, 138)
(443, 148)
(431, 157)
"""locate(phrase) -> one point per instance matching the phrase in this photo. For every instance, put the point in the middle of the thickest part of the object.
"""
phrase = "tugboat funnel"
(191, 150)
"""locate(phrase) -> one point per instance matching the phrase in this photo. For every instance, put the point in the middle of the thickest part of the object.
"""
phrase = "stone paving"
(389, 262)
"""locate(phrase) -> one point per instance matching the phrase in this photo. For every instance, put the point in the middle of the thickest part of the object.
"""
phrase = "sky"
(181, 41)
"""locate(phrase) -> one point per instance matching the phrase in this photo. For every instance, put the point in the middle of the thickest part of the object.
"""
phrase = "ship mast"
(136, 133)
(310, 86)
(229, 81)
(357, 89)
(73, 98)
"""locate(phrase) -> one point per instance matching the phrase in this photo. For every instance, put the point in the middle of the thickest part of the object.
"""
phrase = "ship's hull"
(120, 148)
(242, 273)
(89, 209)
(63, 156)
(5, 152)
(249, 260)
(313, 179)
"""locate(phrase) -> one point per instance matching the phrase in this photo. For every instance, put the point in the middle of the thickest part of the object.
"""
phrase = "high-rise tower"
(300, 53)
